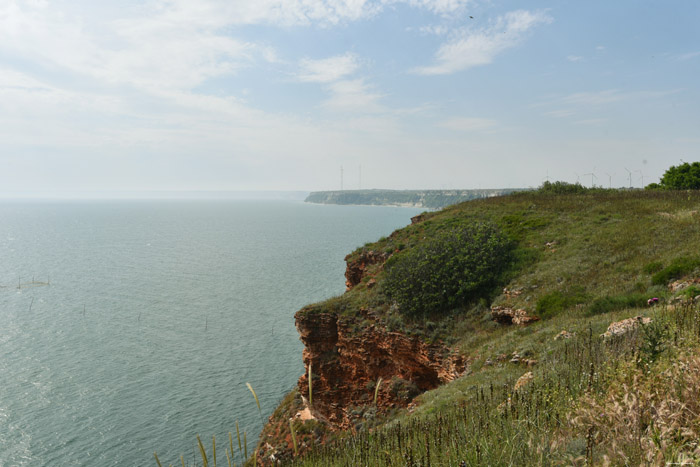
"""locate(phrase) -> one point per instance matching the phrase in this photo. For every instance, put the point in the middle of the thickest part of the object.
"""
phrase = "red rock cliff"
(356, 268)
(348, 358)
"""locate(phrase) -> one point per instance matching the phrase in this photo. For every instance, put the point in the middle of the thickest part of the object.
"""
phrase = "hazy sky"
(278, 94)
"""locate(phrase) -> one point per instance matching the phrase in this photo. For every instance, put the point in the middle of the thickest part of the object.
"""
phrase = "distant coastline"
(429, 199)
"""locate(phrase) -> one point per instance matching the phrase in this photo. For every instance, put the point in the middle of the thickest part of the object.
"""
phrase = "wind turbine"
(630, 175)
(641, 176)
(592, 175)
(609, 179)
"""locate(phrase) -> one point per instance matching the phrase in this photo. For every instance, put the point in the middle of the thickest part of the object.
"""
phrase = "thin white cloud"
(469, 124)
(295, 12)
(435, 6)
(688, 56)
(560, 113)
(435, 30)
(575, 103)
(595, 98)
(346, 95)
(574, 58)
(328, 70)
(474, 48)
(353, 96)
(591, 121)
(609, 96)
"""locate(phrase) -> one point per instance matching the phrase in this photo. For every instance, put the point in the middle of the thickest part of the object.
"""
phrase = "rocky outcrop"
(418, 219)
(508, 315)
(619, 328)
(356, 268)
(681, 284)
(348, 358)
(564, 335)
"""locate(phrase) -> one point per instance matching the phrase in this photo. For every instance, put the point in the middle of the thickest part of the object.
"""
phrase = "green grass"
(677, 269)
(553, 303)
(583, 258)
(480, 420)
(587, 258)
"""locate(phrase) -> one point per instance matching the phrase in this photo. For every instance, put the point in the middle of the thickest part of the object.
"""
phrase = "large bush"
(685, 176)
(561, 188)
(451, 269)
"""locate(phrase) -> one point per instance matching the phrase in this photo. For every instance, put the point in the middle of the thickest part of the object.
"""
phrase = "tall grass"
(230, 452)
(490, 424)
(311, 396)
(376, 390)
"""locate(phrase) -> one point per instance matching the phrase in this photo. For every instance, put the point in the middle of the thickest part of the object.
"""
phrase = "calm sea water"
(157, 314)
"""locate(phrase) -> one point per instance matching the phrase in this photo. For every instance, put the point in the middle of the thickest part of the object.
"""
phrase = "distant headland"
(430, 199)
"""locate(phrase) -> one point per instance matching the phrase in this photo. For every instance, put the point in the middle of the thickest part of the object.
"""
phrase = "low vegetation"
(459, 265)
(580, 259)
(685, 176)
(589, 401)
(560, 391)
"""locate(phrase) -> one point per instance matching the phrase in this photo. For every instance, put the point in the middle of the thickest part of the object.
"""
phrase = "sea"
(129, 327)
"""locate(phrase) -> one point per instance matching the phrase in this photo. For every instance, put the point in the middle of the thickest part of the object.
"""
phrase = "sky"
(209, 95)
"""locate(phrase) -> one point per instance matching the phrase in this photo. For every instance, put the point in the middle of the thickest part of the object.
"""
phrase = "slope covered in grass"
(578, 261)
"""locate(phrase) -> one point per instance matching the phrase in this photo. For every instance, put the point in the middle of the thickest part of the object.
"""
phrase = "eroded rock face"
(357, 268)
(418, 219)
(347, 360)
(508, 315)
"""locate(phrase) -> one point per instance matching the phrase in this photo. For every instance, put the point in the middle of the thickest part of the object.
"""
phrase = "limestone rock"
(564, 335)
(619, 328)
(508, 315)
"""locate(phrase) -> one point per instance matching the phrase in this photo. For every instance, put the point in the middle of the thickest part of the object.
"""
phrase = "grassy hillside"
(579, 262)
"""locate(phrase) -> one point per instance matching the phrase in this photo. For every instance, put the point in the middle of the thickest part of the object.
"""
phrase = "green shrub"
(452, 268)
(402, 389)
(655, 340)
(553, 303)
(654, 266)
(561, 188)
(678, 268)
(685, 176)
(690, 292)
(617, 302)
